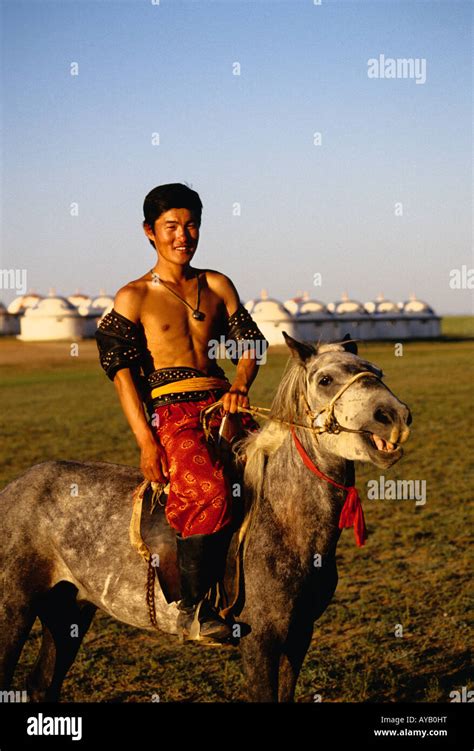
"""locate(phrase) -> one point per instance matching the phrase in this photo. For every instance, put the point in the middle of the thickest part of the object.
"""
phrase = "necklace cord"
(156, 276)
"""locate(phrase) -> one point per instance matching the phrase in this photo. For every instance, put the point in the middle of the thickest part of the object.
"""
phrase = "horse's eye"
(325, 381)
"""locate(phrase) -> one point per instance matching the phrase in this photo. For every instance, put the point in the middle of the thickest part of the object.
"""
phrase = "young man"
(154, 345)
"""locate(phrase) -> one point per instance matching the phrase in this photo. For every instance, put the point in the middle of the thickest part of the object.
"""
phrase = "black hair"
(171, 196)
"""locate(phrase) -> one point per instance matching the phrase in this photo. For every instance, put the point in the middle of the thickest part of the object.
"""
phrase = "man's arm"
(247, 366)
(153, 459)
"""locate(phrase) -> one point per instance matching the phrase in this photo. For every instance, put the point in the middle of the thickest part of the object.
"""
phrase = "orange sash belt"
(191, 384)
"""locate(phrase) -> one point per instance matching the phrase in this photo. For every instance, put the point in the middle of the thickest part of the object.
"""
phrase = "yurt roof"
(269, 307)
(346, 306)
(87, 309)
(78, 298)
(311, 306)
(52, 306)
(24, 301)
(291, 305)
(381, 306)
(102, 301)
(417, 306)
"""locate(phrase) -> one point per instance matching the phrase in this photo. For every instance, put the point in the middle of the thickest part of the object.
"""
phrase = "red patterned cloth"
(200, 497)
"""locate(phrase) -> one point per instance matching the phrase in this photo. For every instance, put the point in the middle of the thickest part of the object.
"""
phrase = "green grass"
(413, 571)
(458, 326)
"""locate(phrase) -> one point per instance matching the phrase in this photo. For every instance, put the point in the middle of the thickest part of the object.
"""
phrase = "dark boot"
(201, 560)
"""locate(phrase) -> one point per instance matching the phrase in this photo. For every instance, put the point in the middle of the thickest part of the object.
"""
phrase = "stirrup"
(196, 629)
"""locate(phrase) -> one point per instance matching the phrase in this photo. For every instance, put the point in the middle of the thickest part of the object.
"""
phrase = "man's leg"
(199, 507)
(201, 560)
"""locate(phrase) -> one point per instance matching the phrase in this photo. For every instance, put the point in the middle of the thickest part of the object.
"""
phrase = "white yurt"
(352, 318)
(421, 319)
(387, 320)
(52, 318)
(314, 322)
(272, 317)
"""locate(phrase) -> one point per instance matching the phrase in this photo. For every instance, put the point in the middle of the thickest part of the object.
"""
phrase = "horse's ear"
(350, 345)
(300, 350)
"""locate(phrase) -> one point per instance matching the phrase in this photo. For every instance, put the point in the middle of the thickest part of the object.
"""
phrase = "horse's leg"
(294, 652)
(16, 621)
(260, 658)
(301, 631)
(65, 624)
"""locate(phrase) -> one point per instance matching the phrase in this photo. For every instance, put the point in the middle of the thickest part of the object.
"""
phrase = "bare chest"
(169, 323)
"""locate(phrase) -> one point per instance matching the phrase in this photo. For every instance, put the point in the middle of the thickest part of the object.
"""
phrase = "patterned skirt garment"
(200, 497)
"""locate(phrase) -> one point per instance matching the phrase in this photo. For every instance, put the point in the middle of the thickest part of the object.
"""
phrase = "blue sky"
(248, 139)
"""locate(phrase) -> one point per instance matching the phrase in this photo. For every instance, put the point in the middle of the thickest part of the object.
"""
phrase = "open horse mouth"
(383, 452)
(382, 445)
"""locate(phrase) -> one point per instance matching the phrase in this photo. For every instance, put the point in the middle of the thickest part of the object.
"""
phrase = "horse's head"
(345, 398)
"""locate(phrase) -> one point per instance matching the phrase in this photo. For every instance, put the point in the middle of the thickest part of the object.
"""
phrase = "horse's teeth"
(379, 442)
(382, 444)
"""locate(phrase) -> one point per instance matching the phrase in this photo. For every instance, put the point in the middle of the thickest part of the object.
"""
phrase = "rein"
(330, 424)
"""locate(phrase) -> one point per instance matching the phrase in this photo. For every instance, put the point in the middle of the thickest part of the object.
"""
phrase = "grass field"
(414, 570)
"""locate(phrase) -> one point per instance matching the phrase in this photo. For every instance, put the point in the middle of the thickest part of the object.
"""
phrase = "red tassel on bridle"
(352, 513)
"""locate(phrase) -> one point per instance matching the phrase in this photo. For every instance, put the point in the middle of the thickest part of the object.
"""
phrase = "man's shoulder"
(217, 278)
(129, 298)
(224, 287)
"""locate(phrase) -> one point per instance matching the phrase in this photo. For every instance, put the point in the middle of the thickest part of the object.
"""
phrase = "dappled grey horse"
(66, 548)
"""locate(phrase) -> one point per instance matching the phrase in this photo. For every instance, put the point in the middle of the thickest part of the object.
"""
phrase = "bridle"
(330, 424)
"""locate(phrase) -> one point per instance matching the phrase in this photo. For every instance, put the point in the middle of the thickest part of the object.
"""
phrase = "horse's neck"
(307, 507)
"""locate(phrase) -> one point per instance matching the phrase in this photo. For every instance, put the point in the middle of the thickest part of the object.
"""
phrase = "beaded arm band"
(242, 329)
(120, 343)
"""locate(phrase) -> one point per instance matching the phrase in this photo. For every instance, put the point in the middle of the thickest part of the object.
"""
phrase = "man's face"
(176, 235)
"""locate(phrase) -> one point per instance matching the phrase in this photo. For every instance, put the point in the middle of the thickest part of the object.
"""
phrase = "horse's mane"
(256, 447)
